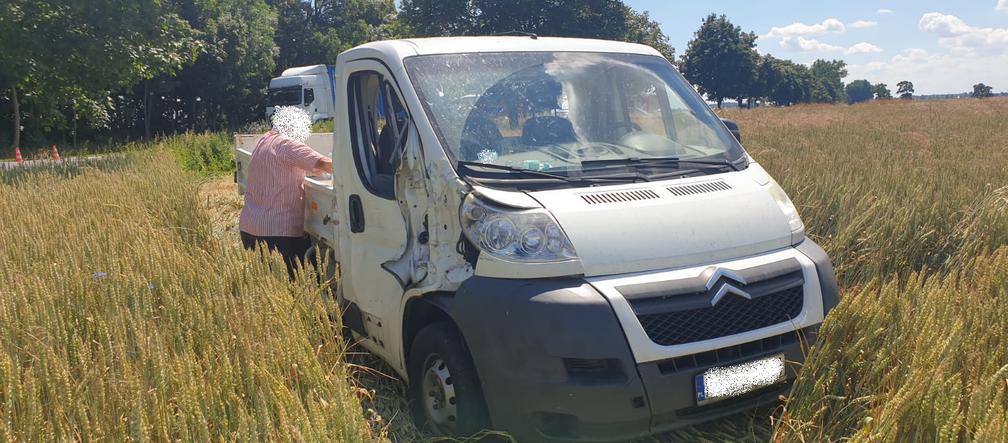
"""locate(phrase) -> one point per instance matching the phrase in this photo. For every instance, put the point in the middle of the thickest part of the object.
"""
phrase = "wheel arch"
(422, 311)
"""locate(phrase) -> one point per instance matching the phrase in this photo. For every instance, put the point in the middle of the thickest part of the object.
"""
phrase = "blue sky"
(941, 46)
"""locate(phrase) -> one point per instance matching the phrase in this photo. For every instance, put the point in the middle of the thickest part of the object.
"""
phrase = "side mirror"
(733, 128)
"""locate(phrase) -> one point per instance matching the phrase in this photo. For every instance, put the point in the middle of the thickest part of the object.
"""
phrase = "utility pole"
(17, 117)
(146, 110)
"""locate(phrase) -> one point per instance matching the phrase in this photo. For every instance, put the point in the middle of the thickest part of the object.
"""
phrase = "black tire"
(441, 341)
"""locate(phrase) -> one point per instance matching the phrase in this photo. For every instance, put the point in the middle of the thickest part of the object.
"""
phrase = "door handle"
(356, 214)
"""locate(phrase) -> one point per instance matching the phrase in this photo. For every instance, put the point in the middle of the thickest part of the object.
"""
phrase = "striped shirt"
(274, 192)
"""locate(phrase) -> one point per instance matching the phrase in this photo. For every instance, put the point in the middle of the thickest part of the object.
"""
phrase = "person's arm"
(303, 157)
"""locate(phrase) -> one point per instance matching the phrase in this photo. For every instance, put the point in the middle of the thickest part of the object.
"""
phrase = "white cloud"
(942, 24)
(912, 55)
(863, 48)
(962, 38)
(929, 71)
(888, 11)
(1002, 5)
(803, 44)
(972, 53)
(866, 23)
(797, 29)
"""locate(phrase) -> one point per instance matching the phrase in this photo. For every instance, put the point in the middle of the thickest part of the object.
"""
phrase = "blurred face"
(293, 123)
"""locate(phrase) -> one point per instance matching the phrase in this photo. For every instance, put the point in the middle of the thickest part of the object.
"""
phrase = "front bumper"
(556, 364)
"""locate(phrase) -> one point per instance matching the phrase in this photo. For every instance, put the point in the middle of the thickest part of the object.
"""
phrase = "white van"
(311, 88)
(558, 238)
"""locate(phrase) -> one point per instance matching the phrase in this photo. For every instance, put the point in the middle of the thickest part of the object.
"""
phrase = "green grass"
(323, 126)
(206, 154)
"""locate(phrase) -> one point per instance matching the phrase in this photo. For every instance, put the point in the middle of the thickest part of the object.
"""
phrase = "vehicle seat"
(387, 160)
(547, 130)
(479, 134)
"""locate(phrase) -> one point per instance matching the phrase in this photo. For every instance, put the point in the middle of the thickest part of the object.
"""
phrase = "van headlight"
(522, 235)
(789, 210)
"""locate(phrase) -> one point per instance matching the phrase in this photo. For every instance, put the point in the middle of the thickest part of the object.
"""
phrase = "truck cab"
(559, 239)
(311, 88)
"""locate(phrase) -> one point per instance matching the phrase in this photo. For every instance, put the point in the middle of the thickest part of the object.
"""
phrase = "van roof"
(454, 45)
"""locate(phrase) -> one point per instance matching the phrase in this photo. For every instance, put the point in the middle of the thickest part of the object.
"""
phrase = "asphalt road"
(10, 165)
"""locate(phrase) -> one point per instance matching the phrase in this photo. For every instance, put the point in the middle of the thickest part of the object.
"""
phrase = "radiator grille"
(732, 315)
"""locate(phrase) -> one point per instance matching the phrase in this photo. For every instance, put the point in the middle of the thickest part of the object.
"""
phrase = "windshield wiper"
(647, 161)
(523, 171)
(534, 173)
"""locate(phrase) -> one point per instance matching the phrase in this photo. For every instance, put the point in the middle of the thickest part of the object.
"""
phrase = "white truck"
(312, 88)
(558, 238)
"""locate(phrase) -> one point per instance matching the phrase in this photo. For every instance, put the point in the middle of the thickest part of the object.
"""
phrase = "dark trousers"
(292, 249)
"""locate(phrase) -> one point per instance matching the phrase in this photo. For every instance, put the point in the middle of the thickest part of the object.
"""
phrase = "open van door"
(368, 159)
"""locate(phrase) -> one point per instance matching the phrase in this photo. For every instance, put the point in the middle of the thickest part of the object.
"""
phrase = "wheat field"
(911, 202)
(124, 317)
(129, 311)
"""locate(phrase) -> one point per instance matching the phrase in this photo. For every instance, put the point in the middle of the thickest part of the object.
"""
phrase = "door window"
(378, 130)
(309, 96)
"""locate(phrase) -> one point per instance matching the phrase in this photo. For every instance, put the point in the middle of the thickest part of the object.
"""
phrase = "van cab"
(558, 238)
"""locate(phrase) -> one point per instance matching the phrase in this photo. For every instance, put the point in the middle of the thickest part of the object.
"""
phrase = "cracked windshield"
(570, 114)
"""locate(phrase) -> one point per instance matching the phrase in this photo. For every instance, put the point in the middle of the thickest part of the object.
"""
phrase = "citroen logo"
(725, 280)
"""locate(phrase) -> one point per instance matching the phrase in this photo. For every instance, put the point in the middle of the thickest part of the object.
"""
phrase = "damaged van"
(557, 238)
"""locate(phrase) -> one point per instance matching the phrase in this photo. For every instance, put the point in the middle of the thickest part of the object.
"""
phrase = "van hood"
(661, 225)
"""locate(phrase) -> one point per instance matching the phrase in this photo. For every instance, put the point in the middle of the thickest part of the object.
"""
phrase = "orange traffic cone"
(55, 154)
(17, 155)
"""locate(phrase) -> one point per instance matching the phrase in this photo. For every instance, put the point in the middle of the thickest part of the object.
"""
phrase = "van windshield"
(570, 114)
(285, 96)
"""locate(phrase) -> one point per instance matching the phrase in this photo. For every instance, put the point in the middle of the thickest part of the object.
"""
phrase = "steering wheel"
(659, 143)
(629, 125)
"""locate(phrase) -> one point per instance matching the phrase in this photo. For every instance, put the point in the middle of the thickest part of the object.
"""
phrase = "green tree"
(882, 92)
(604, 19)
(432, 18)
(69, 54)
(789, 83)
(573, 18)
(981, 90)
(828, 84)
(720, 59)
(640, 28)
(310, 33)
(231, 74)
(905, 89)
(294, 34)
(576, 18)
(859, 91)
(764, 76)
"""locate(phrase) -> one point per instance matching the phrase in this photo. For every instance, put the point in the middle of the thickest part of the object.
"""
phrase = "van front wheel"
(445, 392)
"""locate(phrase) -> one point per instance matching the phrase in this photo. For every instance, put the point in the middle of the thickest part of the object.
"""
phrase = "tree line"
(132, 69)
(722, 61)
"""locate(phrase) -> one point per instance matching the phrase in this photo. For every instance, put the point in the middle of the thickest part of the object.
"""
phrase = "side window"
(309, 96)
(378, 130)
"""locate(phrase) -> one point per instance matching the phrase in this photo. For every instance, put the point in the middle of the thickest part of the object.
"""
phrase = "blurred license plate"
(723, 382)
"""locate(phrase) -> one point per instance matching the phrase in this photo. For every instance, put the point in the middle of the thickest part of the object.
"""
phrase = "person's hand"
(324, 164)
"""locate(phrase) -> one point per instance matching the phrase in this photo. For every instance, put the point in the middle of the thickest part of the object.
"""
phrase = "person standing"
(273, 215)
